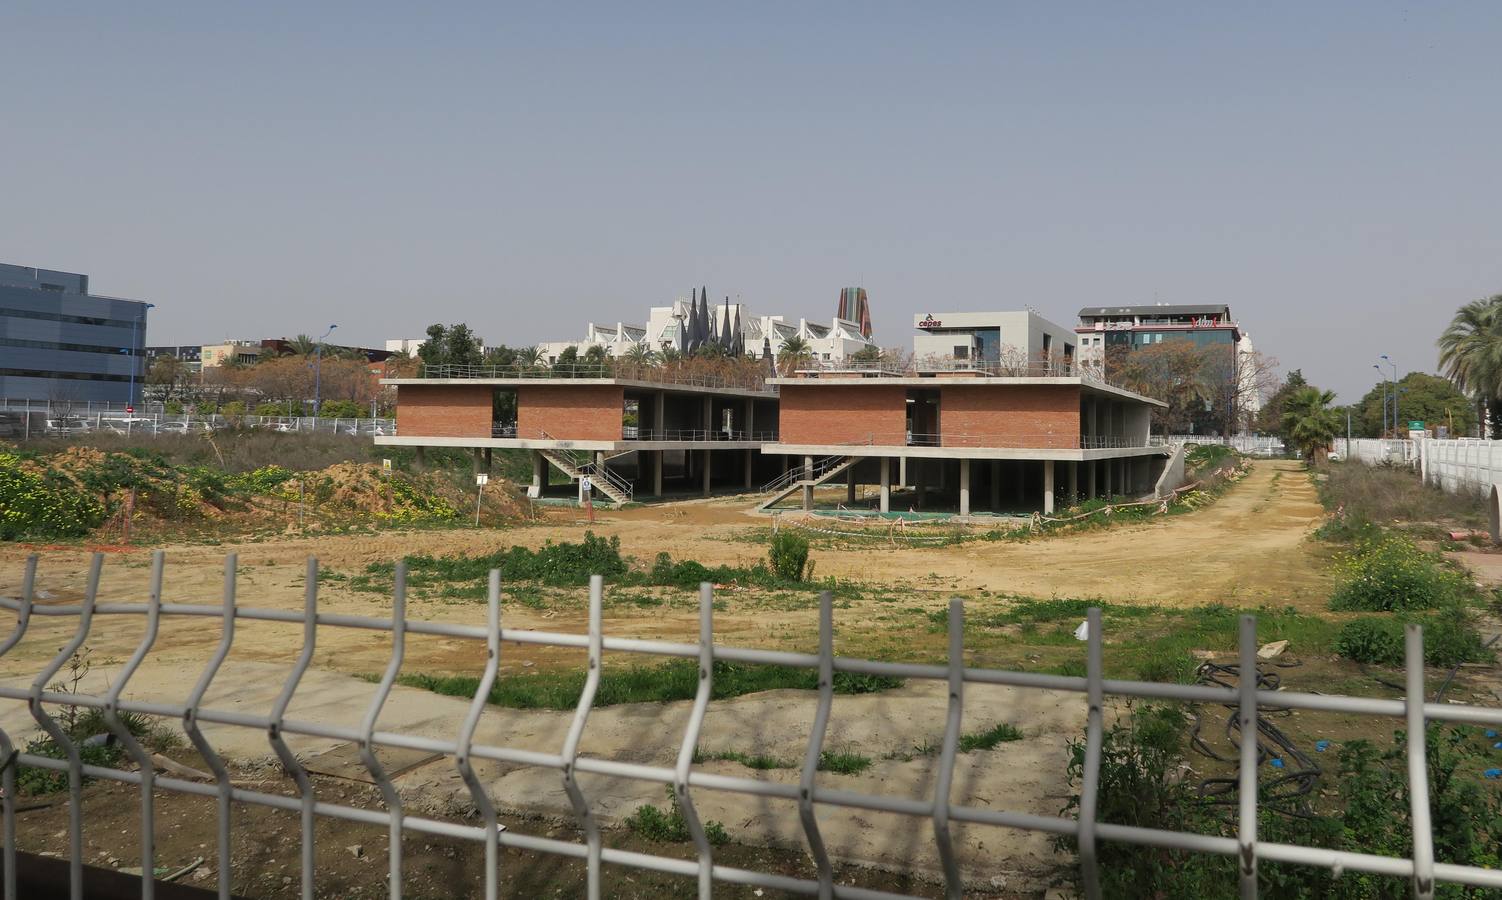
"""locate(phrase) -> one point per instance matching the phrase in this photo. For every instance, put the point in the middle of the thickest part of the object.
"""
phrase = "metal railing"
(938, 810)
(990, 441)
(1246, 443)
(657, 374)
(797, 473)
(17, 424)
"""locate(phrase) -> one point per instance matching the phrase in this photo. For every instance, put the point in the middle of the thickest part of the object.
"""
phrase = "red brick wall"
(1045, 416)
(442, 410)
(808, 414)
(585, 412)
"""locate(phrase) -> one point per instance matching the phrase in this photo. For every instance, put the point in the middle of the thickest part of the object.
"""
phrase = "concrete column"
(886, 484)
(479, 457)
(659, 417)
(750, 466)
(995, 486)
(965, 487)
(489, 457)
(1110, 466)
(539, 472)
(902, 472)
(657, 456)
(1048, 487)
(920, 480)
(599, 459)
(808, 467)
(750, 429)
(708, 417)
(1090, 468)
(850, 484)
(1126, 479)
(420, 455)
(1074, 482)
(706, 470)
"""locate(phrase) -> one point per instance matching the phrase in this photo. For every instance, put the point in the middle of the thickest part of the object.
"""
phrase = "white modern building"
(1008, 339)
(669, 327)
(408, 346)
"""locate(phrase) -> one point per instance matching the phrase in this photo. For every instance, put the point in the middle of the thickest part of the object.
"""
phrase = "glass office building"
(61, 344)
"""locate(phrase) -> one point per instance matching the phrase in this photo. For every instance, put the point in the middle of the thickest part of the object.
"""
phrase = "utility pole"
(318, 373)
(1395, 419)
(1383, 376)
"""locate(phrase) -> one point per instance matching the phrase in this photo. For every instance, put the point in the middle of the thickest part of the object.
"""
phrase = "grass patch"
(1363, 496)
(829, 761)
(675, 680)
(668, 826)
(1392, 574)
(1000, 733)
(1449, 640)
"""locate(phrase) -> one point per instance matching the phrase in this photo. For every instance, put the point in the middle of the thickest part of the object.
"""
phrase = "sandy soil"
(1248, 548)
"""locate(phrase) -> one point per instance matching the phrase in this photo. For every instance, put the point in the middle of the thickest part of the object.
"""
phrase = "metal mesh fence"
(937, 811)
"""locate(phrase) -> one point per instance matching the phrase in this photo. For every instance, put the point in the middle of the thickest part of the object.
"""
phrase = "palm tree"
(528, 357)
(642, 355)
(302, 345)
(1470, 354)
(794, 354)
(1309, 422)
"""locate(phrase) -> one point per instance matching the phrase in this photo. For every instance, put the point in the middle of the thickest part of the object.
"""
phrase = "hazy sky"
(1333, 171)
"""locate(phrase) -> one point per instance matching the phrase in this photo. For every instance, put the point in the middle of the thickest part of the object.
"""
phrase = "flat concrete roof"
(936, 381)
(529, 444)
(667, 387)
(877, 450)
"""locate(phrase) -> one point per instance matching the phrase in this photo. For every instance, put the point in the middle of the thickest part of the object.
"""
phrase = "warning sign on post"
(482, 479)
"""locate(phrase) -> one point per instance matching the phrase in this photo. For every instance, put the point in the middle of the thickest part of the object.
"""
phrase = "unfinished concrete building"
(632, 438)
(948, 441)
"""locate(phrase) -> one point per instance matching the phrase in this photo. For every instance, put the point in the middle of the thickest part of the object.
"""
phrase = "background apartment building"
(1012, 340)
(63, 344)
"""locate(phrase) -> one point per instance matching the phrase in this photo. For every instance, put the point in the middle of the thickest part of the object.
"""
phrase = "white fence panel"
(1460, 465)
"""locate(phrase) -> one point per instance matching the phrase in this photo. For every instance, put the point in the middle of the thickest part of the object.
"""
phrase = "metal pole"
(318, 373)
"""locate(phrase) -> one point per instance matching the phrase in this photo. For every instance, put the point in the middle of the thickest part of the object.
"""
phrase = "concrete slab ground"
(891, 728)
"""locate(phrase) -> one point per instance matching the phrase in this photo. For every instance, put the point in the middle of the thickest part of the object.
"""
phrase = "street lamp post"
(318, 373)
(130, 399)
(1394, 365)
(1383, 376)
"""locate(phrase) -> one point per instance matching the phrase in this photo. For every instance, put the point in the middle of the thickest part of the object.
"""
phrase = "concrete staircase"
(613, 486)
(796, 479)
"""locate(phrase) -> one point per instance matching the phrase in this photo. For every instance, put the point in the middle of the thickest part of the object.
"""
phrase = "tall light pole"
(130, 399)
(318, 372)
(1383, 376)
(1394, 392)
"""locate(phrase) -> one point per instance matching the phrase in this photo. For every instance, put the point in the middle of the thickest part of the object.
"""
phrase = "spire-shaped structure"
(726, 340)
(691, 324)
(737, 339)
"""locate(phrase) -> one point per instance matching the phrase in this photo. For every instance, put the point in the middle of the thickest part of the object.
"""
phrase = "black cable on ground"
(1286, 793)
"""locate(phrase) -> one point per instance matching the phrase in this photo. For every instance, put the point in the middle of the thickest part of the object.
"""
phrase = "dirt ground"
(1248, 548)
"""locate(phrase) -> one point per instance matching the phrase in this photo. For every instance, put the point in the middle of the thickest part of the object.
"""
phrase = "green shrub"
(43, 505)
(1449, 640)
(999, 733)
(339, 409)
(1394, 574)
(259, 482)
(556, 564)
(669, 826)
(789, 556)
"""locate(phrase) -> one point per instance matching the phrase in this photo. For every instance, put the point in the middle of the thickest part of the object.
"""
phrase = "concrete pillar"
(808, 467)
(886, 484)
(1074, 482)
(706, 470)
(902, 472)
(657, 456)
(995, 486)
(919, 471)
(850, 484)
(1110, 466)
(750, 466)
(1090, 468)
(479, 457)
(750, 428)
(489, 457)
(1126, 480)
(659, 417)
(708, 416)
(539, 472)
(420, 455)
(1048, 487)
(599, 459)
(965, 487)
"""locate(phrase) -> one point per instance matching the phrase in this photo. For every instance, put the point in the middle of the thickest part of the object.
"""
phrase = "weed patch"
(668, 826)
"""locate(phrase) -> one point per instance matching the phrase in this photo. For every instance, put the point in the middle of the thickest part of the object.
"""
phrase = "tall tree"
(1270, 419)
(1470, 354)
(794, 354)
(1423, 398)
(1174, 372)
(1309, 423)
